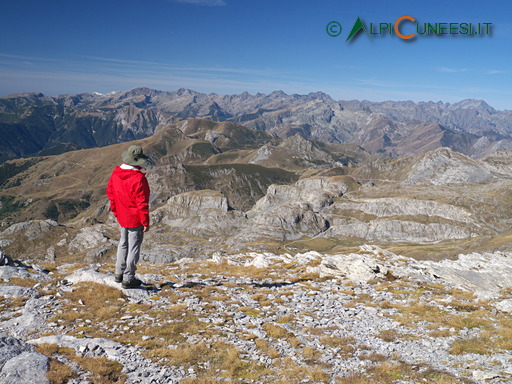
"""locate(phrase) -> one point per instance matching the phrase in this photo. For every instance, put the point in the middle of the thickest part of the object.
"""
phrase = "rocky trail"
(365, 317)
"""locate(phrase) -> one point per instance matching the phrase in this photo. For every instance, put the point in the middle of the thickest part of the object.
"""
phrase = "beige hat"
(134, 156)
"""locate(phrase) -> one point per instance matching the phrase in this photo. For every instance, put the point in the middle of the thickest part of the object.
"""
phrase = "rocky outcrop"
(203, 213)
(295, 152)
(485, 274)
(317, 193)
(200, 222)
(397, 230)
(90, 237)
(398, 206)
(444, 166)
(285, 212)
(400, 219)
(30, 229)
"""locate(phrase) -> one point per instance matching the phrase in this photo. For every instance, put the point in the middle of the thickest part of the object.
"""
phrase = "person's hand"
(146, 228)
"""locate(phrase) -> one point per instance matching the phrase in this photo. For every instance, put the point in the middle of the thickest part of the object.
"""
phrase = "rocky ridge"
(296, 318)
(35, 124)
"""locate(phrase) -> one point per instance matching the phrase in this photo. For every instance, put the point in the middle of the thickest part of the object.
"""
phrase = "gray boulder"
(11, 347)
(355, 267)
(14, 291)
(90, 237)
(27, 367)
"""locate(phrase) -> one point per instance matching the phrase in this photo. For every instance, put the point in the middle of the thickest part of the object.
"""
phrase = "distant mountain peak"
(278, 94)
(320, 95)
(477, 104)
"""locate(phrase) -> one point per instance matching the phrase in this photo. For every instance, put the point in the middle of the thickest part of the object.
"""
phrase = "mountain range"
(257, 172)
(33, 124)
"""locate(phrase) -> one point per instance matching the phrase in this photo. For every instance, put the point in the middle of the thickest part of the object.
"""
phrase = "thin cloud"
(451, 70)
(156, 66)
(209, 3)
(496, 72)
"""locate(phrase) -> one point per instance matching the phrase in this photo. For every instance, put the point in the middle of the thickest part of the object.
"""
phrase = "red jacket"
(128, 192)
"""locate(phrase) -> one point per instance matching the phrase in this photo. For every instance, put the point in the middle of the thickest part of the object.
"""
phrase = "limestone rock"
(31, 229)
(504, 306)
(287, 221)
(16, 291)
(89, 237)
(355, 267)
(27, 367)
(397, 230)
(397, 206)
(202, 213)
(11, 347)
(315, 191)
(137, 368)
(21, 271)
(486, 274)
(444, 166)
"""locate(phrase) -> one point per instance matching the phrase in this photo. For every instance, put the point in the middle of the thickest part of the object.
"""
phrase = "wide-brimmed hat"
(134, 156)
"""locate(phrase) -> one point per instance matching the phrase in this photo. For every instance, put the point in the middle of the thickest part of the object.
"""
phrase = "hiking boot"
(134, 283)
(118, 278)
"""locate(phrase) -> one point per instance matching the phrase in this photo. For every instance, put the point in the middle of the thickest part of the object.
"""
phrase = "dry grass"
(225, 269)
(103, 370)
(375, 357)
(265, 347)
(163, 335)
(224, 360)
(356, 378)
(275, 331)
(311, 353)
(203, 379)
(389, 335)
(503, 334)
(289, 372)
(100, 303)
(253, 312)
(390, 372)
(479, 345)
(315, 331)
(59, 373)
(345, 344)
(285, 319)
(12, 304)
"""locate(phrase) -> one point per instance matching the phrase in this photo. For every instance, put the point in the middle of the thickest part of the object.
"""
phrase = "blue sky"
(231, 46)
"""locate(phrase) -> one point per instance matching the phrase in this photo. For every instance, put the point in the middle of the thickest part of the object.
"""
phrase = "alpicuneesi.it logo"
(414, 30)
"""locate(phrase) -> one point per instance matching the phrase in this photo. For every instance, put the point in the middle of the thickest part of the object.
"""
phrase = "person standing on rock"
(128, 192)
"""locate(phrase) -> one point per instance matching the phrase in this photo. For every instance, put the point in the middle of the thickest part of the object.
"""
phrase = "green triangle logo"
(358, 27)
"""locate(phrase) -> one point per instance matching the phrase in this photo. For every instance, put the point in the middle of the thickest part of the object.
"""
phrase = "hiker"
(128, 192)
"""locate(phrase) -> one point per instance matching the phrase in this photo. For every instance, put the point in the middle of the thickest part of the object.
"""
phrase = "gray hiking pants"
(128, 252)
